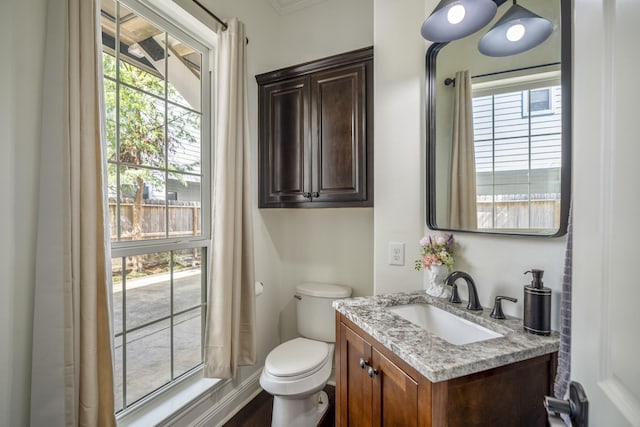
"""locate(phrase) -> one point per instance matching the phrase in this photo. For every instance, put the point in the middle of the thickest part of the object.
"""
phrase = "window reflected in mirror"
(517, 138)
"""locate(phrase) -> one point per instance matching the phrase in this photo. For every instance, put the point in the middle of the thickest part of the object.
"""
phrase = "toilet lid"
(296, 357)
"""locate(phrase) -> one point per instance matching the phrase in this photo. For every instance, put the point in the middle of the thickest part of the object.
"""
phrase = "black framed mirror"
(512, 175)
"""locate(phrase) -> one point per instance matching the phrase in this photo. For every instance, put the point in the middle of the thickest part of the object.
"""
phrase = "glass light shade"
(516, 32)
(502, 39)
(443, 26)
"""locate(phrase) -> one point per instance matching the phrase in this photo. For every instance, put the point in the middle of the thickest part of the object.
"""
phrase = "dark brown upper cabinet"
(316, 133)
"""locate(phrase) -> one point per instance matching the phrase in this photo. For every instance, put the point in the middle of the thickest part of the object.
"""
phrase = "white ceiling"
(284, 7)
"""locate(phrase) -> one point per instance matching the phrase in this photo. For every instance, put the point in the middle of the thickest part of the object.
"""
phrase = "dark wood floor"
(257, 413)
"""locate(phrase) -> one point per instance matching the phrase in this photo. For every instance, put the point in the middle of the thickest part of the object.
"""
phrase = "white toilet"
(296, 371)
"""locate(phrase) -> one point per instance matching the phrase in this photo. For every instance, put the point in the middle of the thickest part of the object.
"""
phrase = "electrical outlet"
(396, 253)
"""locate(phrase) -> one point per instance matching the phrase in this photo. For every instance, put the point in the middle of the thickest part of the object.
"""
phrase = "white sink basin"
(449, 327)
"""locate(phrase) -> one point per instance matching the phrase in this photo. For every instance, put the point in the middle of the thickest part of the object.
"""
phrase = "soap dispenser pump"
(537, 305)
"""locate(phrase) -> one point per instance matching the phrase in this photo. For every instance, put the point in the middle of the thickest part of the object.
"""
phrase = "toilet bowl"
(296, 371)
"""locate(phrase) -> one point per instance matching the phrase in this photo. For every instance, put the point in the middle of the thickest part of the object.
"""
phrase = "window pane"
(112, 188)
(142, 204)
(147, 80)
(546, 152)
(148, 288)
(511, 154)
(118, 389)
(110, 117)
(183, 74)
(183, 129)
(187, 279)
(511, 206)
(188, 294)
(509, 121)
(117, 275)
(483, 118)
(185, 214)
(142, 53)
(148, 360)
(187, 341)
(142, 140)
(109, 65)
(108, 24)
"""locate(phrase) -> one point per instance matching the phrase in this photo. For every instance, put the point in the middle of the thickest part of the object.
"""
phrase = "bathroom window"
(158, 126)
(517, 138)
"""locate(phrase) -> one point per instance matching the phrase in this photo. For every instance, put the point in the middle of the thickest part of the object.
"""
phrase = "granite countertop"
(434, 357)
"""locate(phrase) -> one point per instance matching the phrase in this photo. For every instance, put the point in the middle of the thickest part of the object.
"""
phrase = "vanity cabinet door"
(395, 396)
(372, 390)
(355, 387)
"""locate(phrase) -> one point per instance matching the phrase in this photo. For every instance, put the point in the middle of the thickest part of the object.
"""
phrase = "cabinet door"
(395, 395)
(355, 388)
(285, 148)
(340, 135)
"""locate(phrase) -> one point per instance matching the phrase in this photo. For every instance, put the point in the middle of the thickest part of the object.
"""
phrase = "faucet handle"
(497, 313)
(455, 297)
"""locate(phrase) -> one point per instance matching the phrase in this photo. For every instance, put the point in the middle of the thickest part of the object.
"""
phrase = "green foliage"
(152, 132)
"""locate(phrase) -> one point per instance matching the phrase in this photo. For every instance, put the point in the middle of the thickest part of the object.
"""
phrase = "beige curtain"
(230, 327)
(72, 373)
(463, 213)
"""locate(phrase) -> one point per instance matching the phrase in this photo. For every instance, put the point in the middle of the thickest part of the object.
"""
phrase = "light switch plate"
(396, 253)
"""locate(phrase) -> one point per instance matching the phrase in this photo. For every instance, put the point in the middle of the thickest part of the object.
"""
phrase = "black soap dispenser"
(537, 305)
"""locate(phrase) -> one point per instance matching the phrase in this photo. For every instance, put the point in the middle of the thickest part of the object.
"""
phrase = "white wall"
(21, 80)
(296, 245)
(496, 262)
(399, 155)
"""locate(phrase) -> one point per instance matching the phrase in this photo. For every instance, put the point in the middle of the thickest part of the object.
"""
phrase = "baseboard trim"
(230, 403)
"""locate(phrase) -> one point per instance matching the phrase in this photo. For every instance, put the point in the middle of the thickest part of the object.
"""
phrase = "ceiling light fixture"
(517, 31)
(455, 19)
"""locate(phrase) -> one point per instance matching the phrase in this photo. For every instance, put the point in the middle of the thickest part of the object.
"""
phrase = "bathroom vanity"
(392, 372)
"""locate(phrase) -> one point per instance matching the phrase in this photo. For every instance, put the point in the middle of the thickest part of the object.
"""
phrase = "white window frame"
(167, 16)
(526, 83)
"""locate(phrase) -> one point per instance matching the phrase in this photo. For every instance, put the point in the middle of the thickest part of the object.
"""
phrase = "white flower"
(440, 240)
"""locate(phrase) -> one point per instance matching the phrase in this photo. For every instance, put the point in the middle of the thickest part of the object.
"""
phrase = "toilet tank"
(316, 316)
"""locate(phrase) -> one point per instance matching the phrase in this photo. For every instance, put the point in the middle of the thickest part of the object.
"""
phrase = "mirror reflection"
(499, 134)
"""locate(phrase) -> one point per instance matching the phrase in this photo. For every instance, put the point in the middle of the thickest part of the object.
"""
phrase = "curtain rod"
(211, 14)
(214, 16)
(451, 81)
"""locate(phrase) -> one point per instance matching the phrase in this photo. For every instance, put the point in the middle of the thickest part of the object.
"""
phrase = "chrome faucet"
(471, 286)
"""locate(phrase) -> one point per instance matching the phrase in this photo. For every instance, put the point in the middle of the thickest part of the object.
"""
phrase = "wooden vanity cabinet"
(395, 394)
(376, 391)
(315, 133)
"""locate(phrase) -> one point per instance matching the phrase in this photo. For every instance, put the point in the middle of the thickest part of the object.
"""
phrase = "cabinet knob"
(372, 372)
(306, 195)
(315, 195)
(363, 363)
